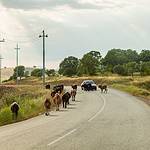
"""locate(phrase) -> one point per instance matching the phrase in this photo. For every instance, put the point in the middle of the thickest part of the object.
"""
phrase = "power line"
(27, 41)
(19, 36)
(43, 36)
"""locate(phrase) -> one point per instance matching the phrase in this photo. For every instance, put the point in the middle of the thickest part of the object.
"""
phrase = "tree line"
(117, 61)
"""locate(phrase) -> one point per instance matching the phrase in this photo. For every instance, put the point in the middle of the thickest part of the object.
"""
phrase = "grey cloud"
(47, 4)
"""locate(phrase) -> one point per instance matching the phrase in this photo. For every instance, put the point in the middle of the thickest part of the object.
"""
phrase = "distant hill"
(7, 72)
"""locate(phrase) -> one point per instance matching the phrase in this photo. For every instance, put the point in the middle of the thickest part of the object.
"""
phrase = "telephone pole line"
(17, 61)
(43, 36)
(3, 40)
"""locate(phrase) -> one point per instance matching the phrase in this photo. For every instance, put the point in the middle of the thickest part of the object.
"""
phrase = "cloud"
(74, 28)
(76, 4)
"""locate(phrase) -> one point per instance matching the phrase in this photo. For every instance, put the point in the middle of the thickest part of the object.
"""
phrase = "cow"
(53, 93)
(74, 86)
(57, 100)
(73, 94)
(58, 88)
(65, 99)
(14, 109)
(47, 105)
(48, 86)
(103, 88)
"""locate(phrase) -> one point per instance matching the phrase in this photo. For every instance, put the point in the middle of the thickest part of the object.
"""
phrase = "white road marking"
(100, 111)
(60, 138)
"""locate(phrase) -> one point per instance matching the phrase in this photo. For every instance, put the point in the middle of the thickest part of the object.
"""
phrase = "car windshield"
(89, 81)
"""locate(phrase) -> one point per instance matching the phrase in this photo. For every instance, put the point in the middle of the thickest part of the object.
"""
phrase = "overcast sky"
(74, 27)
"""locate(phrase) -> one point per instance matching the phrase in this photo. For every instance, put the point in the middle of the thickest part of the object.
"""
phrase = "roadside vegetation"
(30, 98)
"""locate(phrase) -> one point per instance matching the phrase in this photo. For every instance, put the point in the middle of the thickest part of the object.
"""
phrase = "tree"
(131, 68)
(36, 73)
(90, 63)
(145, 55)
(69, 66)
(50, 72)
(120, 69)
(21, 70)
(132, 55)
(115, 57)
(145, 68)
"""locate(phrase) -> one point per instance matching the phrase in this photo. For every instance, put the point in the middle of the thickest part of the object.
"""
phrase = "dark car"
(88, 85)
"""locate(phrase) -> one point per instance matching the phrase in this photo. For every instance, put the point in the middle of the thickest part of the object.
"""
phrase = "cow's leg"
(57, 107)
(13, 116)
(66, 104)
(63, 104)
(16, 115)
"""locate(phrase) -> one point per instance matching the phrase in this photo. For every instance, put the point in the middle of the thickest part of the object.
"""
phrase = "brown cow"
(47, 105)
(57, 100)
(73, 94)
(74, 86)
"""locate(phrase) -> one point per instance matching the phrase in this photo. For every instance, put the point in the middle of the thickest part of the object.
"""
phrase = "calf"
(73, 94)
(14, 109)
(65, 99)
(47, 105)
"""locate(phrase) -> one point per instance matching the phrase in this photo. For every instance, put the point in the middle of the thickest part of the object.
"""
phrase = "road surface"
(113, 121)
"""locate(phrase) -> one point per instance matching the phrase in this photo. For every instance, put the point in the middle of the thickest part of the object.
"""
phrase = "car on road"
(88, 85)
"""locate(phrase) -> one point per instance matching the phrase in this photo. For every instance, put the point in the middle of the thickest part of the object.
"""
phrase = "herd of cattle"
(57, 97)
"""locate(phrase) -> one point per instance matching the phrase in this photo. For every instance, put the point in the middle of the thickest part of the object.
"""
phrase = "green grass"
(30, 99)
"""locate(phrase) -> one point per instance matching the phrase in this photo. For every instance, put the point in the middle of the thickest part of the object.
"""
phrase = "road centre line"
(100, 111)
(62, 137)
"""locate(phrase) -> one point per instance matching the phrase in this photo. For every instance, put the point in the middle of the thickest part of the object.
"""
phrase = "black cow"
(58, 88)
(65, 99)
(48, 86)
(103, 88)
(14, 109)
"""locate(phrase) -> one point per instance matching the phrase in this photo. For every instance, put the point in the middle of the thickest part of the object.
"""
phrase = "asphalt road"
(113, 121)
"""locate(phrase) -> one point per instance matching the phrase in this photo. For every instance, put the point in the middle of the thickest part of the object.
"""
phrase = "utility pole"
(0, 69)
(43, 36)
(17, 60)
(3, 40)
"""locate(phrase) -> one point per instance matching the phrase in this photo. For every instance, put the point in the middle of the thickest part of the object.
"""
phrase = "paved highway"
(113, 121)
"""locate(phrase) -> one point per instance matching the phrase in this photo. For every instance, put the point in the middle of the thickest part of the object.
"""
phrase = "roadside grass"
(30, 99)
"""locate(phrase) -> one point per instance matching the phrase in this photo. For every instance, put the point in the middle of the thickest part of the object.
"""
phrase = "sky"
(74, 27)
